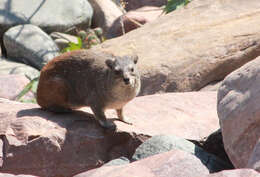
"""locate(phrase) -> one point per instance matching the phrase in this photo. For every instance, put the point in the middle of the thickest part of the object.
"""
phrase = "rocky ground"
(196, 114)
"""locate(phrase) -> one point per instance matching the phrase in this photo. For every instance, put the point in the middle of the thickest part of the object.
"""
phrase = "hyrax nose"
(126, 80)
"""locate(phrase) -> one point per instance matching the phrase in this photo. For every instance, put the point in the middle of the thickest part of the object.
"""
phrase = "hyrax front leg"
(100, 116)
(120, 114)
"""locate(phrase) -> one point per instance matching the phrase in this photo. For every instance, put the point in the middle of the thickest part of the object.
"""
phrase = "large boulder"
(30, 45)
(41, 143)
(239, 113)
(58, 15)
(175, 163)
(133, 19)
(191, 47)
(105, 13)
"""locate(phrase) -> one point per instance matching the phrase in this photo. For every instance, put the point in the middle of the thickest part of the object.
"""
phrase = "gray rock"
(163, 143)
(31, 44)
(62, 40)
(58, 15)
(10, 67)
(118, 161)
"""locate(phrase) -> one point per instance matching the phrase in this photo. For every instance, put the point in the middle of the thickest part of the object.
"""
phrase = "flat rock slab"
(191, 47)
(175, 163)
(190, 115)
(58, 15)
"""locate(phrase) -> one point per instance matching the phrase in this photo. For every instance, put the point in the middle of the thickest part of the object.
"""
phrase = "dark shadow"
(212, 162)
(66, 119)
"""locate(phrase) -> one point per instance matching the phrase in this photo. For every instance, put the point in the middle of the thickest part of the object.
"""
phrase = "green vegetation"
(73, 46)
(175, 4)
(31, 86)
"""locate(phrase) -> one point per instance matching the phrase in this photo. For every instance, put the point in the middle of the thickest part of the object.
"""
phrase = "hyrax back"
(88, 78)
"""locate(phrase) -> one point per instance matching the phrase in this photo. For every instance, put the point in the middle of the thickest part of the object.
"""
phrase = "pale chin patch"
(132, 82)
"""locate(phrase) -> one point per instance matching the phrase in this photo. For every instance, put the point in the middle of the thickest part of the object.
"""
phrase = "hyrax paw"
(107, 125)
(126, 120)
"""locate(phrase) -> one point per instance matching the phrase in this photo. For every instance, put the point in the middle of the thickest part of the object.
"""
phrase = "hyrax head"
(124, 68)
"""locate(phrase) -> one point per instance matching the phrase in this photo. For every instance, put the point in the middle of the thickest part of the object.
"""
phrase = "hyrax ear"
(110, 63)
(135, 58)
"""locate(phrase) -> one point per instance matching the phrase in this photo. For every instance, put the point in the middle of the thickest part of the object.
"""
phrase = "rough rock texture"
(105, 13)
(164, 143)
(58, 15)
(10, 67)
(175, 163)
(213, 86)
(46, 144)
(11, 175)
(12, 85)
(201, 43)
(135, 4)
(254, 160)
(177, 114)
(31, 44)
(235, 173)
(239, 112)
(134, 19)
(214, 144)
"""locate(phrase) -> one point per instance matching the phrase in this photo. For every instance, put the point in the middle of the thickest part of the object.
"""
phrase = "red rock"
(134, 19)
(175, 163)
(136, 4)
(235, 173)
(41, 143)
(105, 13)
(12, 85)
(11, 175)
(254, 160)
(239, 114)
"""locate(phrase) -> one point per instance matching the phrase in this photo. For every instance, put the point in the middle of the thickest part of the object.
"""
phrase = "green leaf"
(26, 89)
(175, 4)
(35, 85)
(73, 46)
(79, 42)
(31, 86)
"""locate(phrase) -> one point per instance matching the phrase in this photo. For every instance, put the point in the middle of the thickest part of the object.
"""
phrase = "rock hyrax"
(89, 78)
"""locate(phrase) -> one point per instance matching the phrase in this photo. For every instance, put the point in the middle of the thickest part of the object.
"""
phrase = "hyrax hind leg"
(121, 116)
(52, 94)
